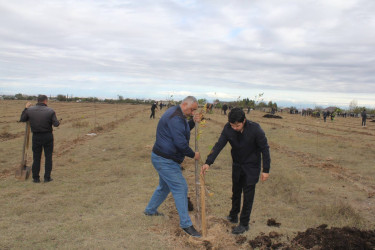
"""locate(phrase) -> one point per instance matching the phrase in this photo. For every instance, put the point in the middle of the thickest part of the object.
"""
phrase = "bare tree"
(353, 105)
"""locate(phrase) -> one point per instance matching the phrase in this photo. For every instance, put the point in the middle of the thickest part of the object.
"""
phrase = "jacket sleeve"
(219, 145)
(24, 117)
(177, 128)
(262, 143)
(191, 124)
(55, 122)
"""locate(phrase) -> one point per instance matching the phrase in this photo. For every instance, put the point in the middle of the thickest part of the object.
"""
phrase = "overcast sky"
(317, 52)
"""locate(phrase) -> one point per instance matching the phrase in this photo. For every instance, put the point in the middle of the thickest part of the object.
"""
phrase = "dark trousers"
(42, 141)
(363, 122)
(152, 114)
(248, 194)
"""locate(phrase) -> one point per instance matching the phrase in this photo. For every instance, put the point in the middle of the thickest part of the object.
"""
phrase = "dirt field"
(322, 183)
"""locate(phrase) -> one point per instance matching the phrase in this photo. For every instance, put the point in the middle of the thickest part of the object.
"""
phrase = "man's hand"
(28, 105)
(197, 156)
(197, 117)
(264, 176)
(204, 168)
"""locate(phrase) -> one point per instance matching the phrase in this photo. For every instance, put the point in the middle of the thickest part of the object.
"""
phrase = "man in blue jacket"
(170, 148)
(249, 148)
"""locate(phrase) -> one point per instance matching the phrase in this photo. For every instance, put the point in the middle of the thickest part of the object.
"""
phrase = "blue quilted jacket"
(173, 135)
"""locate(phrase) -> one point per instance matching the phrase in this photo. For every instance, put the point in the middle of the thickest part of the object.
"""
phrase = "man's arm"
(55, 122)
(179, 140)
(262, 143)
(191, 123)
(24, 117)
(219, 145)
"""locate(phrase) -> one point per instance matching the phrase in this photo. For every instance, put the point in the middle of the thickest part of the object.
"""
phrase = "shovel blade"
(23, 172)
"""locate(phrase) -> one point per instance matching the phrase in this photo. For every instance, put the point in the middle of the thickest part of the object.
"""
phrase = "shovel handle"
(25, 142)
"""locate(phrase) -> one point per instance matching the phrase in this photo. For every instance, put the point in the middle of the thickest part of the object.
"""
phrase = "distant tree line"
(66, 98)
(255, 103)
(244, 103)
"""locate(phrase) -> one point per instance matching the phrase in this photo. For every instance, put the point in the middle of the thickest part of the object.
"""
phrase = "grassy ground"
(320, 173)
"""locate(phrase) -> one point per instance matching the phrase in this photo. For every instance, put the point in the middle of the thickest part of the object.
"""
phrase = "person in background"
(364, 117)
(170, 148)
(153, 107)
(249, 148)
(225, 108)
(41, 118)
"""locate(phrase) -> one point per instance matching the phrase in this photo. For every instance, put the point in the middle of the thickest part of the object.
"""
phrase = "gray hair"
(189, 100)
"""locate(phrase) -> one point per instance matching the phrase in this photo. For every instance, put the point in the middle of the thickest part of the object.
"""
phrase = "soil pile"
(272, 116)
(272, 223)
(271, 241)
(335, 238)
(321, 238)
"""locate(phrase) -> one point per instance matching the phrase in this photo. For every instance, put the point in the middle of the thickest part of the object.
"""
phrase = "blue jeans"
(170, 180)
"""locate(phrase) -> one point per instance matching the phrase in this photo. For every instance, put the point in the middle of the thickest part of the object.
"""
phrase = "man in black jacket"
(41, 120)
(249, 148)
(153, 107)
(364, 117)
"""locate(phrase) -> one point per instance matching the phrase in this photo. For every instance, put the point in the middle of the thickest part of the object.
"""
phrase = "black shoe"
(36, 180)
(232, 219)
(192, 232)
(155, 214)
(240, 229)
(48, 179)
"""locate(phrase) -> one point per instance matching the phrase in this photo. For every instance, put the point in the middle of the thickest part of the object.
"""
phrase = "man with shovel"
(41, 119)
(170, 148)
(249, 148)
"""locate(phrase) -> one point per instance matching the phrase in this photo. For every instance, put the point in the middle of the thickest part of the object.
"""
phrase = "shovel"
(23, 171)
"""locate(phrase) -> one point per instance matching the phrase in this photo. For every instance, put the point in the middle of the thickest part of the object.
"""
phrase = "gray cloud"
(182, 46)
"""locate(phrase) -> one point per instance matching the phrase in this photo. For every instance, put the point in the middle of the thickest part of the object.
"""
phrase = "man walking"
(153, 107)
(41, 118)
(170, 148)
(249, 147)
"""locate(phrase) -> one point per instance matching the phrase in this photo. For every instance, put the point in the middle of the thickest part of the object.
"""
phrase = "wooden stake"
(197, 184)
(203, 204)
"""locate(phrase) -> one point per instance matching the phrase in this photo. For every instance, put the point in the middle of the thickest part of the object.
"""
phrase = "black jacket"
(248, 149)
(41, 118)
(364, 115)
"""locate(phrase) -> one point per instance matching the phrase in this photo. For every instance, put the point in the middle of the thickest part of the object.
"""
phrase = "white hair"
(189, 100)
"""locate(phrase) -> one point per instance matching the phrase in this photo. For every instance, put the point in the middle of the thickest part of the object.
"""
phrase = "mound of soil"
(272, 116)
(321, 238)
(335, 238)
(271, 241)
(272, 223)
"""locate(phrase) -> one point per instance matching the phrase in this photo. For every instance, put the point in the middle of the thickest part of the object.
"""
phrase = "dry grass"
(80, 124)
(321, 173)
